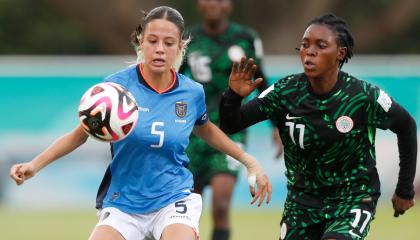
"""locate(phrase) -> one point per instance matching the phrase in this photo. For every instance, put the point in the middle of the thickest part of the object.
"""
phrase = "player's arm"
(62, 146)
(405, 127)
(233, 116)
(217, 139)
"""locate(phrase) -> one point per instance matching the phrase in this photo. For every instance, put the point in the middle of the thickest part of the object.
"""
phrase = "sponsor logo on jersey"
(235, 53)
(181, 109)
(141, 109)
(291, 117)
(344, 124)
(384, 100)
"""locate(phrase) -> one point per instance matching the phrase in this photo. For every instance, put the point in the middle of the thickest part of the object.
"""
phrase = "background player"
(216, 43)
(327, 120)
(146, 190)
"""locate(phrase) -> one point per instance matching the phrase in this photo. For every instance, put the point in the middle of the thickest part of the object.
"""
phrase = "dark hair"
(163, 12)
(339, 26)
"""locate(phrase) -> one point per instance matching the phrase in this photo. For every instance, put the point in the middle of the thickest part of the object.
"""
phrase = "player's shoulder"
(357, 84)
(291, 79)
(187, 82)
(123, 75)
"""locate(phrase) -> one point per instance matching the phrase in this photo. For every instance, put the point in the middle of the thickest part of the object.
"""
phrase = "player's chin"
(311, 73)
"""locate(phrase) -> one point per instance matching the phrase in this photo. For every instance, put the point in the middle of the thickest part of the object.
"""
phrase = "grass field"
(247, 225)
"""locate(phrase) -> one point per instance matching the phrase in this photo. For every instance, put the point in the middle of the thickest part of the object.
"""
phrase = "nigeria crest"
(181, 109)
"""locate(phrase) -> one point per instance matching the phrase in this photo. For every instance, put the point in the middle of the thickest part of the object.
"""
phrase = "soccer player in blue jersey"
(146, 190)
(327, 120)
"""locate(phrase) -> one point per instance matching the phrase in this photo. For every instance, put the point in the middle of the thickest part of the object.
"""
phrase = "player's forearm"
(218, 140)
(61, 147)
(407, 147)
(234, 117)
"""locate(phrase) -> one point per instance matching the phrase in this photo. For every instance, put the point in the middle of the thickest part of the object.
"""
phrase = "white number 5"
(161, 134)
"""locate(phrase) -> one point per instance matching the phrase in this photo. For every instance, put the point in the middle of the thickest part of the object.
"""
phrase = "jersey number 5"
(161, 134)
(301, 128)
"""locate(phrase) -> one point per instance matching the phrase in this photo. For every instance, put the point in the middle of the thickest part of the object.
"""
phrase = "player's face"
(214, 10)
(319, 51)
(160, 43)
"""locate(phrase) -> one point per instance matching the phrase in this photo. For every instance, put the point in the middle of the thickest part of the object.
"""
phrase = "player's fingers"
(263, 192)
(270, 190)
(242, 64)
(252, 191)
(235, 67)
(257, 195)
(14, 171)
(252, 71)
(249, 65)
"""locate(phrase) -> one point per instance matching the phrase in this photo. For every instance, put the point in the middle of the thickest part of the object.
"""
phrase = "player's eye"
(304, 44)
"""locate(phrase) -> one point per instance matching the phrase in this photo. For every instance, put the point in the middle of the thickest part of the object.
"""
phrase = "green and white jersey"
(209, 59)
(329, 140)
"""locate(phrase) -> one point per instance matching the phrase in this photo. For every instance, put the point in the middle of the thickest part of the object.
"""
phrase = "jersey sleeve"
(200, 100)
(388, 114)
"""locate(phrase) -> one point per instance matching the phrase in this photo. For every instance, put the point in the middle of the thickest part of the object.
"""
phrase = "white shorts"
(150, 226)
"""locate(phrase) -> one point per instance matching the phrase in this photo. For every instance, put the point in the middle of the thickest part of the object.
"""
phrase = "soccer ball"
(108, 112)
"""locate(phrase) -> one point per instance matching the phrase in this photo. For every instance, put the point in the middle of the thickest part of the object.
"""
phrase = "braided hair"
(339, 27)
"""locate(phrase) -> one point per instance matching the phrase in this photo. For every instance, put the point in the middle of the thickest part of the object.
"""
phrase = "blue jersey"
(148, 169)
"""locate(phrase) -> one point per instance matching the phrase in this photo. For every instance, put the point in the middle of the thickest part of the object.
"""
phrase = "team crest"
(344, 124)
(181, 109)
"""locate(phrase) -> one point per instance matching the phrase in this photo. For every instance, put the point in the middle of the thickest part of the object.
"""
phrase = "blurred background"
(51, 51)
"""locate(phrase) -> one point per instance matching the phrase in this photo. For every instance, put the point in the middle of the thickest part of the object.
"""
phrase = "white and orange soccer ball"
(108, 112)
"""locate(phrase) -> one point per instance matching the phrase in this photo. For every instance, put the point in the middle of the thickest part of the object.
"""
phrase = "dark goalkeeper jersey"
(329, 140)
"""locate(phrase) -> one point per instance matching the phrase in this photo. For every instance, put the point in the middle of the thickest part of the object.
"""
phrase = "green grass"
(249, 224)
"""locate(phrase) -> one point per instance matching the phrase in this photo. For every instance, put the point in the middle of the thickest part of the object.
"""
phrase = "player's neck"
(215, 27)
(159, 81)
(325, 83)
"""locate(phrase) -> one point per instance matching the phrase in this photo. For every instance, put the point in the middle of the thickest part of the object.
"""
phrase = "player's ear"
(342, 52)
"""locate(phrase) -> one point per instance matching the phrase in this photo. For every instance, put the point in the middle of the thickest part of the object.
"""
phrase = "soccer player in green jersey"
(327, 120)
(216, 43)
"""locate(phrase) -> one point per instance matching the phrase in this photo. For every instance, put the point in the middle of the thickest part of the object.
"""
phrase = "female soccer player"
(216, 43)
(146, 190)
(327, 120)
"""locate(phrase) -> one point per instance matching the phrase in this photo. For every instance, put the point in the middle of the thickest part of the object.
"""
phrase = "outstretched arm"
(233, 117)
(62, 146)
(217, 139)
(405, 127)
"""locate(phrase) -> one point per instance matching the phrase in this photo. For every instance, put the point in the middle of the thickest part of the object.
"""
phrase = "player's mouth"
(158, 62)
(309, 65)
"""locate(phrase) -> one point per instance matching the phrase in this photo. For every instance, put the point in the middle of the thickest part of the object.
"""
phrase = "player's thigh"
(179, 231)
(105, 232)
(352, 223)
(301, 221)
(182, 216)
(114, 224)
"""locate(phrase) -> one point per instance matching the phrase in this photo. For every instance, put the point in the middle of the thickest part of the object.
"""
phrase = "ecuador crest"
(181, 109)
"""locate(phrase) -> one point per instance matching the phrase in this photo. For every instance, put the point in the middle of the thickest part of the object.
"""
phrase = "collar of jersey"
(336, 87)
(143, 80)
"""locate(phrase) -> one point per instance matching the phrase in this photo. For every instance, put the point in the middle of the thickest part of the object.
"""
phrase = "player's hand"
(401, 205)
(264, 188)
(22, 172)
(241, 77)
